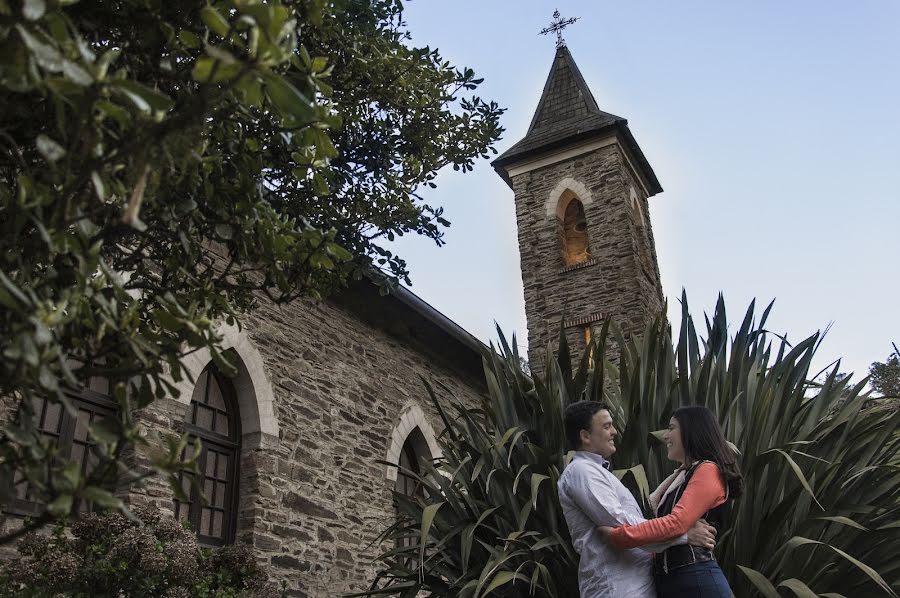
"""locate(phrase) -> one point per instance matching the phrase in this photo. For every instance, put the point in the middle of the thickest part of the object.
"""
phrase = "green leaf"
(760, 581)
(338, 252)
(113, 111)
(75, 73)
(428, 514)
(319, 185)
(71, 473)
(287, 99)
(224, 231)
(144, 98)
(99, 187)
(318, 64)
(797, 541)
(545, 543)
(106, 59)
(502, 578)
(101, 497)
(844, 521)
(189, 39)
(42, 49)
(798, 587)
(213, 19)
(251, 87)
(61, 506)
(49, 149)
(105, 430)
(536, 479)
(34, 9)
(212, 70)
(798, 473)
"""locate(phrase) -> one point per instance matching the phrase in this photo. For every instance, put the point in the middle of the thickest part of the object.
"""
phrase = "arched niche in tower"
(573, 230)
(636, 208)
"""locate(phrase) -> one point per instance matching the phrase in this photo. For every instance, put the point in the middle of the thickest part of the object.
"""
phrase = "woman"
(708, 477)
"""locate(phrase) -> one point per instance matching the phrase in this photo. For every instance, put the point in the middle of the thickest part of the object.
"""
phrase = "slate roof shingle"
(567, 113)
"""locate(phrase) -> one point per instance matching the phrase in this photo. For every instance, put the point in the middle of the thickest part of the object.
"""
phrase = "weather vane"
(557, 26)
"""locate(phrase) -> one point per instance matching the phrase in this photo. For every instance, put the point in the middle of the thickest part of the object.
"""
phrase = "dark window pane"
(222, 473)
(214, 398)
(205, 522)
(181, 510)
(217, 527)
(200, 390)
(92, 461)
(21, 486)
(78, 454)
(204, 417)
(84, 418)
(219, 499)
(211, 458)
(221, 426)
(52, 418)
(37, 406)
(99, 385)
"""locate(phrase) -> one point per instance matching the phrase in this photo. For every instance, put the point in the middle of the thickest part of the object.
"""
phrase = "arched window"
(213, 419)
(414, 451)
(69, 433)
(573, 229)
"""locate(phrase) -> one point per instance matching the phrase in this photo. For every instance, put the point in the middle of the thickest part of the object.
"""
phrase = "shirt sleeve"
(705, 490)
(594, 494)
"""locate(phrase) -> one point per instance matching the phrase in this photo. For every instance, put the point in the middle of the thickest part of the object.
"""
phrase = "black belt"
(679, 556)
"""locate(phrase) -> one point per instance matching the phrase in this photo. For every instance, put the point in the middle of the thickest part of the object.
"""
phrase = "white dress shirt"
(591, 496)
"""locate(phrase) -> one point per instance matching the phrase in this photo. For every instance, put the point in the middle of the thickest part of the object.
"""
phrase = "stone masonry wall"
(312, 505)
(314, 499)
(612, 282)
(644, 250)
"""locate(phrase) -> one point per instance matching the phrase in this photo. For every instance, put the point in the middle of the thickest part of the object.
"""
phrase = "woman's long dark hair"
(703, 440)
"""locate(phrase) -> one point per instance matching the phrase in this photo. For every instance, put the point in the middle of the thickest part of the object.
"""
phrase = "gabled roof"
(567, 113)
(408, 317)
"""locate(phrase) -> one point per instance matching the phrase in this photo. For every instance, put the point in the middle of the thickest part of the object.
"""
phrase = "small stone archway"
(411, 418)
(555, 207)
(636, 208)
(256, 403)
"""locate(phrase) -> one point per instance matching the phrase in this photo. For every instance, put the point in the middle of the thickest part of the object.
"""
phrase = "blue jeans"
(698, 580)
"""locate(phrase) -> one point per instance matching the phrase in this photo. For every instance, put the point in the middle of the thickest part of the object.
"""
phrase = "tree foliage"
(166, 165)
(820, 515)
(885, 376)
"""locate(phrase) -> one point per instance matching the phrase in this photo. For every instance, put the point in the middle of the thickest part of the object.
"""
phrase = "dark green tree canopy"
(164, 165)
(885, 376)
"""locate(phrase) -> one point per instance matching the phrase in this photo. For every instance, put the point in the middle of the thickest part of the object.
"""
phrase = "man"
(591, 496)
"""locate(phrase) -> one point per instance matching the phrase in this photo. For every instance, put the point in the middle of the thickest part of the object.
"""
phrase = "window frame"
(567, 236)
(82, 400)
(413, 451)
(229, 445)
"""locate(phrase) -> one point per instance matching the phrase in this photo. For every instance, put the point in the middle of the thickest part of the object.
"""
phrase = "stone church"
(327, 392)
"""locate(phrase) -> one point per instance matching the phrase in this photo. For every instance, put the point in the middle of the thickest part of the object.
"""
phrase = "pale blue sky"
(772, 126)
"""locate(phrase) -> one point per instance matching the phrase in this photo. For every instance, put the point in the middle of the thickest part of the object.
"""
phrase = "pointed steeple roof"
(567, 113)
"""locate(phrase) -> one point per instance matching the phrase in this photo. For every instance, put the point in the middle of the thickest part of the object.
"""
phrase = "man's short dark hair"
(578, 417)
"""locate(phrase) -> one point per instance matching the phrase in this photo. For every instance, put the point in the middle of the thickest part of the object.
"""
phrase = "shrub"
(821, 511)
(108, 554)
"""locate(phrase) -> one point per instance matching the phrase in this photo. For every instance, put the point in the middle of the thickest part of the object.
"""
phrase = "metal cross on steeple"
(556, 26)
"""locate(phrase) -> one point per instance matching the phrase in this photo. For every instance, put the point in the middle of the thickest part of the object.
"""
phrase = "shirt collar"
(598, 459)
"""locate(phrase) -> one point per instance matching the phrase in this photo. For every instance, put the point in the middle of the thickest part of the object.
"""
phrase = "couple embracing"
(625, 555)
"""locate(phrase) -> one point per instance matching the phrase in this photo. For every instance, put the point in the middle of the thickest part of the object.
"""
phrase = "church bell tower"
(581, 187)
